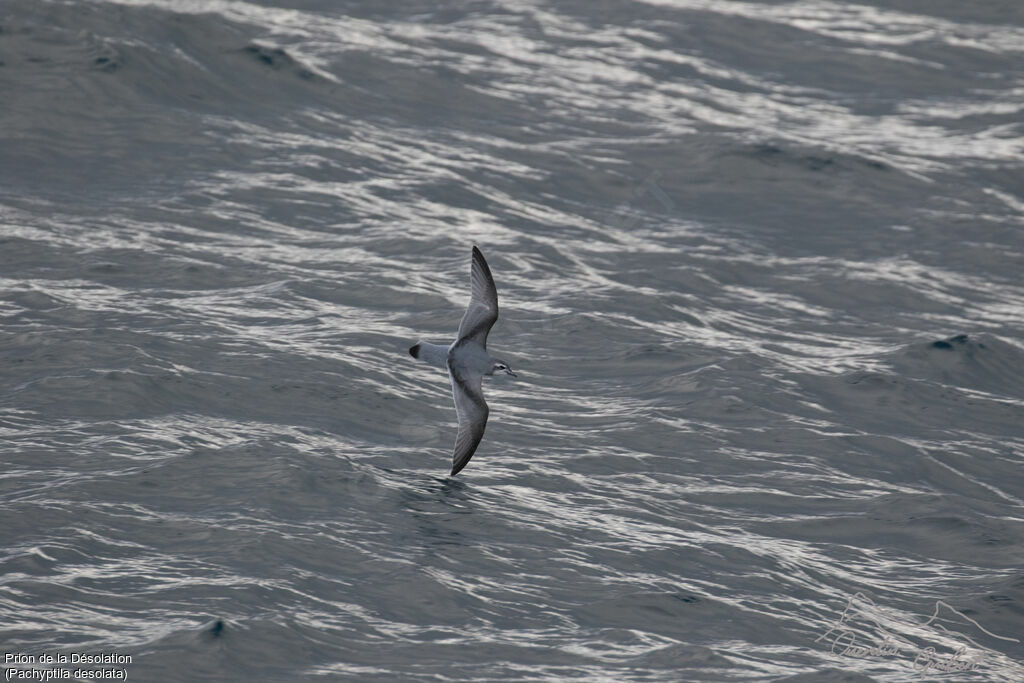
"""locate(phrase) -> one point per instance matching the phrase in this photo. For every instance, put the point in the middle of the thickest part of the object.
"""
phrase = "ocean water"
(760, 269)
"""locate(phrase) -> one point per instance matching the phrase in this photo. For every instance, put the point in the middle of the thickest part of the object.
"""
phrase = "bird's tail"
(432, 354)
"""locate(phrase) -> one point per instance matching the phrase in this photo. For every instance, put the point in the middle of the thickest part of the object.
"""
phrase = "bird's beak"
(508, 371)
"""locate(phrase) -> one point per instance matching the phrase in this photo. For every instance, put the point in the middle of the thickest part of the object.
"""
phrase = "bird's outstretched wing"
(472, 411)
(483, 302)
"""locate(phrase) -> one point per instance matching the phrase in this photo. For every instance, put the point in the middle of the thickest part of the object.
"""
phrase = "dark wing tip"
(475, 434)
(479, 256)
(414, 351)
(461, 464)
(463, 460)
(485, 270)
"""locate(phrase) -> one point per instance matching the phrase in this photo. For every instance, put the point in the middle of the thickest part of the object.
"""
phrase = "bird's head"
(501, 366)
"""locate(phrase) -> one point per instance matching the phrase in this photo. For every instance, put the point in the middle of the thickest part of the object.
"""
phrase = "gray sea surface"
(761, 270)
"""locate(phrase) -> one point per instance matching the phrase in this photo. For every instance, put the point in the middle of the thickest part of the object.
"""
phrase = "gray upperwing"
(472, 411)
(482, 311)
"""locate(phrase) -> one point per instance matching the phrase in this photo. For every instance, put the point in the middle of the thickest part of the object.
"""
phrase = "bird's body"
(467, 361)
(471, 357)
